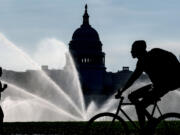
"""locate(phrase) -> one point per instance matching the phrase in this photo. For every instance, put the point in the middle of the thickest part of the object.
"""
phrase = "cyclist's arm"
(137, 72)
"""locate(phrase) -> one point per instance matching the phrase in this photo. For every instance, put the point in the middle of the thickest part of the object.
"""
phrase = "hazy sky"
(35, 24)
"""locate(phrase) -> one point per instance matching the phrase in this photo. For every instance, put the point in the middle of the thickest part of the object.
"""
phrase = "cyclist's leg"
(140, 110)
(135, 97)
(150, 98)
(141, 107)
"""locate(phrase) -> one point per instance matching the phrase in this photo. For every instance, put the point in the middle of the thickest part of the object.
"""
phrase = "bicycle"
(107, 123)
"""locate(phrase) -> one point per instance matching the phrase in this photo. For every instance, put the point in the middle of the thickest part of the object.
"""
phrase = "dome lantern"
(86, 32)
(85, 17)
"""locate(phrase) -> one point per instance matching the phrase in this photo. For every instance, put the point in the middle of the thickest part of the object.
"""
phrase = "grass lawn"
(65, 128)
(61, 128)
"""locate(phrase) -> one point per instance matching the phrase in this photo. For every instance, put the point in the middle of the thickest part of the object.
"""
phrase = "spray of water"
(47, 104)
(73, 68)
(4, 40)
(91, 110)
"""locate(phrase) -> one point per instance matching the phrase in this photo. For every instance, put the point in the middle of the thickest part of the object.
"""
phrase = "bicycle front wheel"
(106, 124)
(168, 124)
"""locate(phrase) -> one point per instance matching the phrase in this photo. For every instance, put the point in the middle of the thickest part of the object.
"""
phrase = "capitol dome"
(85, 32)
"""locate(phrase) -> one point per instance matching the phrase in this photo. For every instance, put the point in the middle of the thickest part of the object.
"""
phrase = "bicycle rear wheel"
(103, 124)
(168, 124)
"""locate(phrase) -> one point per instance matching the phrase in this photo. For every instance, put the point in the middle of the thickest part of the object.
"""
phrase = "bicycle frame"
(152, 124)
(149, 115)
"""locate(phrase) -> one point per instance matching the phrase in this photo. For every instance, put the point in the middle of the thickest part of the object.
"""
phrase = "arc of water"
(2, 38)
(79, 86)
(44, 101)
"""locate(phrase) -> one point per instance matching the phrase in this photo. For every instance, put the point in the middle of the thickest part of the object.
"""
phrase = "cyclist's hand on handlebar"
(119, 93)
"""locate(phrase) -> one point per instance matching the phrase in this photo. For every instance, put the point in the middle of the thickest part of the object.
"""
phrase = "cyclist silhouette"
(163, 69)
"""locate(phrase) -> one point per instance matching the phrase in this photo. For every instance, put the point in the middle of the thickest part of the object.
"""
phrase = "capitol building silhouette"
(86, 49)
